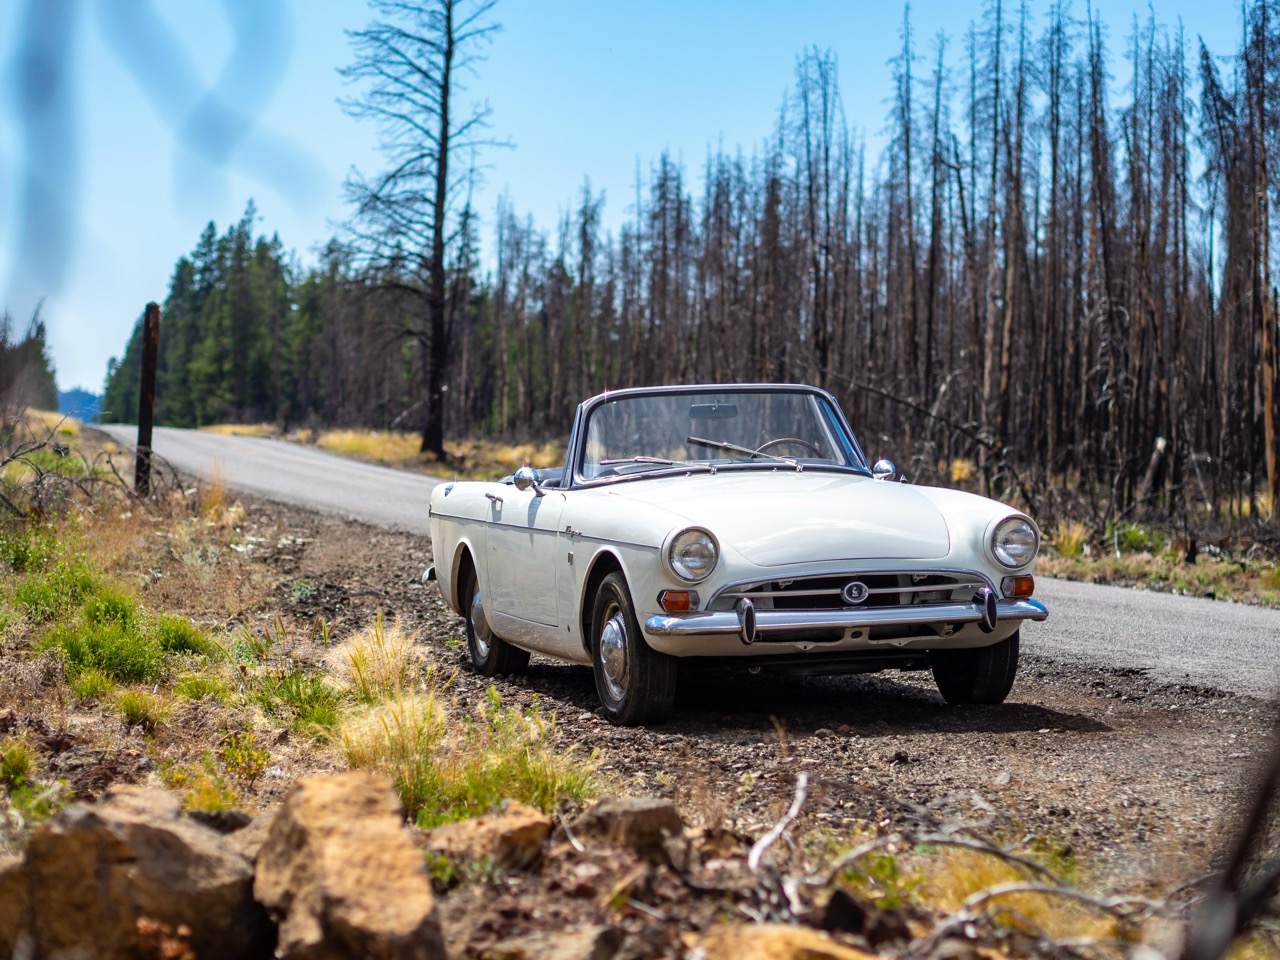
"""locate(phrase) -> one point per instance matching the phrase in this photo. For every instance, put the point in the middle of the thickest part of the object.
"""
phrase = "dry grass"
(243, 429)
(378, 662)
(1070, 538)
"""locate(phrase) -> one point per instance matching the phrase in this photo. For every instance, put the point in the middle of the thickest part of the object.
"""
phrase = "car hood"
(777, 518)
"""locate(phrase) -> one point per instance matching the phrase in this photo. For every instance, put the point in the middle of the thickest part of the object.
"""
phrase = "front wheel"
(636, 684)
(984, 675)
(490, 654)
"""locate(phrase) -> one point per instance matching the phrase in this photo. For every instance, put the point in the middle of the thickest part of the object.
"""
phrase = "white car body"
(841, 571)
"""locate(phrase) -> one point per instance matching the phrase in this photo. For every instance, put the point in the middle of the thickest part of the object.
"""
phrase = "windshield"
(636, 434)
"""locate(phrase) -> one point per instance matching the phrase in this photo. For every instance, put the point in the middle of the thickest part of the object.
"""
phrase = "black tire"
(635, 683)
(984, 675)
(490, 654)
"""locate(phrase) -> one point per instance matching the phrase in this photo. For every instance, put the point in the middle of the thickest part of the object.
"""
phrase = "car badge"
(855, 591)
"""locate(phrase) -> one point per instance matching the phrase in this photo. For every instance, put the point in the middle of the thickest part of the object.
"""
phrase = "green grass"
(90, 683)
(197, 686)
(111, 606)
(302, 697)
(141, 709)
(53, 593)
(17, 761)
(27, 549)
(447, 770)
(123, 655)
(179, 635)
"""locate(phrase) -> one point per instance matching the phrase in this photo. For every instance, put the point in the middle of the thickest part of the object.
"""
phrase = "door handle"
(494, 497)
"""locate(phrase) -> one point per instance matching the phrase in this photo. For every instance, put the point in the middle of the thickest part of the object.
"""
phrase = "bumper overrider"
(750, 624)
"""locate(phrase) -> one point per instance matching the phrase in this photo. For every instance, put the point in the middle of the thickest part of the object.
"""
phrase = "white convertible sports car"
(732, 523)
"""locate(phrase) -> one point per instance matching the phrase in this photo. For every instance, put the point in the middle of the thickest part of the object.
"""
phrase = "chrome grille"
(885, 588)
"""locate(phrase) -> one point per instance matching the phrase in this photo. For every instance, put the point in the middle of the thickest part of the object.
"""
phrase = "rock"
(587, 943)
(93, 872)
(770, 941)
(649, 827)
(512, 838)
(340, 873)
(13, 906)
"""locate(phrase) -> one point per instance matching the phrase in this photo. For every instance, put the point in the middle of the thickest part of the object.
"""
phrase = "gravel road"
(1172, 639)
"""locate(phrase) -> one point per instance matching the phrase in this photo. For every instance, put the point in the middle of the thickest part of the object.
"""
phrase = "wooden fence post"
(147, 400)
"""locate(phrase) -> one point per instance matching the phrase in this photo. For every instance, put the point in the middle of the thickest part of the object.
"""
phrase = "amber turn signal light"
(1019, 587)
(678, 601)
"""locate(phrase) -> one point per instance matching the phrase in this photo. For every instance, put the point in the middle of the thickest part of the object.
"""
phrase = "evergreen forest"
(1054, 282)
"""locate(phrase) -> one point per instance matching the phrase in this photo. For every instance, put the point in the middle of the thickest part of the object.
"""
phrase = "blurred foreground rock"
(91, 874)
(340, 874)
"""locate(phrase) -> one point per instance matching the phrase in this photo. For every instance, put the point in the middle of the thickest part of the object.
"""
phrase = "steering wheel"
(797, 440)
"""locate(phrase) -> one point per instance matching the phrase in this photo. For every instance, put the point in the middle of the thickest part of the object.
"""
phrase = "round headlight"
(693, 554)
(1015, 542)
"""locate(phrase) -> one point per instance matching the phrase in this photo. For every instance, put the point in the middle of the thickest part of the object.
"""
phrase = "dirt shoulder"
(1107, 768)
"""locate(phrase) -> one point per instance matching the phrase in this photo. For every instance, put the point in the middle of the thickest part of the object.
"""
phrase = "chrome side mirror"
(527, 477)
(884, 470)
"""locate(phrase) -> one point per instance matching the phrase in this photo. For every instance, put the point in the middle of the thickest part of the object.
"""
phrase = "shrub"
(242, 757)
(141, 709)
(179, 635)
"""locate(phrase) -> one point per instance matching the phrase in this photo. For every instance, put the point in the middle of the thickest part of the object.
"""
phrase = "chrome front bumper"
(749, 624)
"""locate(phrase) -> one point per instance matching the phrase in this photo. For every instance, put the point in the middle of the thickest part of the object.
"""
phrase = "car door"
(523, 546)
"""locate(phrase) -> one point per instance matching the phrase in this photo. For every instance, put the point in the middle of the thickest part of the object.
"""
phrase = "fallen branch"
(779, 828)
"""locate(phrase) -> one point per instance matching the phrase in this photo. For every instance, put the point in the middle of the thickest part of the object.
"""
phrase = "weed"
(91, 683)
(179, 635)
(302, 590)
(111, 606)
(123, 655)
(197, 686)
(377, 661)
(17, 760)
(27, 549)
(141, 709)
(202, 786)
(241, 757)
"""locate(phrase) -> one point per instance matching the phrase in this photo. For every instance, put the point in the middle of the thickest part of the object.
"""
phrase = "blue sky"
(582, 88)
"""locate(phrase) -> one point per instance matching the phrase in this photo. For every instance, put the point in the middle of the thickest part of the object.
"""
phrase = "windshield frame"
(832, 414)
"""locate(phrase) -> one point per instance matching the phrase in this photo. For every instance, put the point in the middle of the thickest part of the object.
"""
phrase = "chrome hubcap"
(613, 655)
(481, 635)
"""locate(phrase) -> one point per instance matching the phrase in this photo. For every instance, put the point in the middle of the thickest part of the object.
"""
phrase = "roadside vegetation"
(1138, 555)
(141, 634)
(465, 460)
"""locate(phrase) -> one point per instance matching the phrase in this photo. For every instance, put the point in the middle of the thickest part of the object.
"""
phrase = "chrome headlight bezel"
(677, 556)
(1015, 542)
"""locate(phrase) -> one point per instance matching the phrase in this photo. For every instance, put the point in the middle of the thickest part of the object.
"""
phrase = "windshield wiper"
(734, 448)
(658, 460)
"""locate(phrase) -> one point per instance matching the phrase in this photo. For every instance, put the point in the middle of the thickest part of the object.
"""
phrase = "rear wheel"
(490, 654)
(636, 684)
(984, 675)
